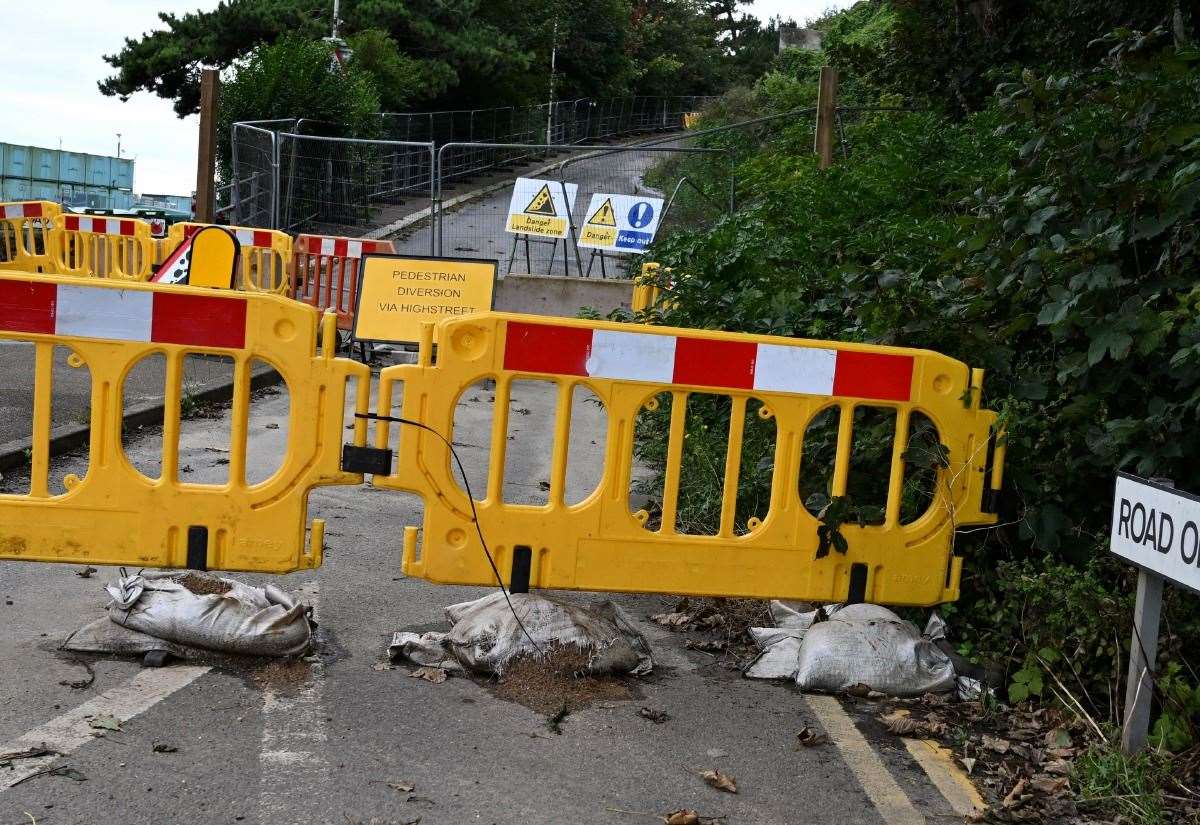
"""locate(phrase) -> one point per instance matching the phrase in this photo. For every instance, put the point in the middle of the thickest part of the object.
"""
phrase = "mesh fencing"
(338, 186)
(565, 121)
(250, 197)
(478, 227)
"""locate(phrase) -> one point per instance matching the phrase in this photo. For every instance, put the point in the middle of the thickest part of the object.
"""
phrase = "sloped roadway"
(319, 742)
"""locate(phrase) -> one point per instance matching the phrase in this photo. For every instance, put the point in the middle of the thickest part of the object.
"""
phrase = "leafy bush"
(1050, 238)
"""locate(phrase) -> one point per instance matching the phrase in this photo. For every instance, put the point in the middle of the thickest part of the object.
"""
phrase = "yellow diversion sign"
(396, 294)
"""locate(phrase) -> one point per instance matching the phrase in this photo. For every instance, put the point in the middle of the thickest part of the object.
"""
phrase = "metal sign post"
(1156, 528)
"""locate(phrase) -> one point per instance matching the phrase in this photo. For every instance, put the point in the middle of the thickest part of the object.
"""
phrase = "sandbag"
(486, 636)
(837, 647)
(255, 621)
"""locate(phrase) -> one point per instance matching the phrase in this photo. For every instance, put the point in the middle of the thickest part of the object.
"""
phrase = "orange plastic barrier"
(325, 272)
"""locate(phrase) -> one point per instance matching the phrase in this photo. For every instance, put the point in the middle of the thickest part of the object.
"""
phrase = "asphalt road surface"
(320, 741)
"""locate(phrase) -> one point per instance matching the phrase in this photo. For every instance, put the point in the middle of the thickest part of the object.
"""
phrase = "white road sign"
(1157, 528)
(541, 207)
(621, 223)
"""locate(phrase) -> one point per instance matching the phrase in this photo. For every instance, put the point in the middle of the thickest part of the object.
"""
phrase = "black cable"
(474, 513)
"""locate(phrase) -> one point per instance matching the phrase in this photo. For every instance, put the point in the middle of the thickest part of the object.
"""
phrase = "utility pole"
(206, 156)
(550, 106)
(336, 8)
(118, 144)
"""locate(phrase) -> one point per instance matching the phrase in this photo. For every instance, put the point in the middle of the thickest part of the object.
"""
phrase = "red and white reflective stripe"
(671, 359)
(259, 238)
(345, 247)
(13, 211)
(98, 226)
(122, 314)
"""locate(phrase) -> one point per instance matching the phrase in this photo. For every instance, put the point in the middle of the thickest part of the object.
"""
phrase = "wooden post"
(206, 156)
(1139, 685)
(1143, 650)
(826, 116)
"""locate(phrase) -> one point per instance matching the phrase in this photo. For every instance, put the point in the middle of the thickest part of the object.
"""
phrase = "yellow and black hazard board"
(601, 228)
(541, 207)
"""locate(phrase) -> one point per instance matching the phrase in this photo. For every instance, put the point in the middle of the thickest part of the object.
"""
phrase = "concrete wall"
(556, 295)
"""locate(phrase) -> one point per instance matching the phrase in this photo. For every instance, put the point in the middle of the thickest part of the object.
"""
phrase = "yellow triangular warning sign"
(542, 203)
(604, 216)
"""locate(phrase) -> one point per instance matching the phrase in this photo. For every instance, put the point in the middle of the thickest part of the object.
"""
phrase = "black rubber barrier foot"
(156, 658)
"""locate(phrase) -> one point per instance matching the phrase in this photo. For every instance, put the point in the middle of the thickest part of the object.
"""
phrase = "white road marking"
(892, 804)
(71, 730)
(292, 757)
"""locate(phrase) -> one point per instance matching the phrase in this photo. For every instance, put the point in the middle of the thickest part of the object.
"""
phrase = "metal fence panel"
(340, 186)
(253, 194)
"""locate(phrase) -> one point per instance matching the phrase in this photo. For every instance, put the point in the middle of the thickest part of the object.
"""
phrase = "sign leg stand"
(1139, 687)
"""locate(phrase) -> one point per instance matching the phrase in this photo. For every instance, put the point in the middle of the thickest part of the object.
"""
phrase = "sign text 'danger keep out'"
(1157, 528)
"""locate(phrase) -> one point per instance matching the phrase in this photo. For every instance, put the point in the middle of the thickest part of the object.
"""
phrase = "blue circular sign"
(640, 214)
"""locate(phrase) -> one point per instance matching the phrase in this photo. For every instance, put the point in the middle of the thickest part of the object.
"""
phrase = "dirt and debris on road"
(722, 624)
(558, 680)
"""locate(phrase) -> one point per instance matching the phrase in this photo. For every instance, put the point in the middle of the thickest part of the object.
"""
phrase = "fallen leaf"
(402, 786)
(996, 744)
(810, 738)
(382, 666)
(28, 753)
(85, 573)
(720, 781)
(859, 690)
(163, 747)
(707, 645)
(684, 816)
(655, 716)
(1055, 786)
(429, 674)
(105, 721)
(672, 620)
(903, 726)
(1014, 797)
(1059, 766)
(968, 763)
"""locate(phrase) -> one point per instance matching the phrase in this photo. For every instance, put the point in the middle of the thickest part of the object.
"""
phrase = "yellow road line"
(947, 777)
(889, 800)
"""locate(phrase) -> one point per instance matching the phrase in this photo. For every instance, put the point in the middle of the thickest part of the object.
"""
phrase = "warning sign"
(396, 294)
(621, 223)
(601, 228)
(541, 207)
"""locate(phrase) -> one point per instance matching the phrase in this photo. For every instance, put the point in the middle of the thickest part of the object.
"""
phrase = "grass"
(1129, 785)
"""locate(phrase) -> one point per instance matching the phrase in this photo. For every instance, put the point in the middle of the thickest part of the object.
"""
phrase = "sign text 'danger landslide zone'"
(396, 294)
(1157, 528)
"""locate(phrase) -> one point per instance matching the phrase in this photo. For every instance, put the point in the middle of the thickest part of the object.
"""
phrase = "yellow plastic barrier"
(645, 290)
(116, 514)
(117, 248)
(266, 259)
(601, 543)
(26, 241)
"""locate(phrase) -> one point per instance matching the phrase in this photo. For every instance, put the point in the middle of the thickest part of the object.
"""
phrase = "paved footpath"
(319, 742)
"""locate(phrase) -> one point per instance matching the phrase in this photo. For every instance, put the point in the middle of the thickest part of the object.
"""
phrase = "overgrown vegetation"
(1037, 215)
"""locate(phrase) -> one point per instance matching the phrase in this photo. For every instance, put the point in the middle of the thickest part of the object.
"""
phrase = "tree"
(399, 78)
(293, 78)
(445, 38)
(447, 53)
(674, 49)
